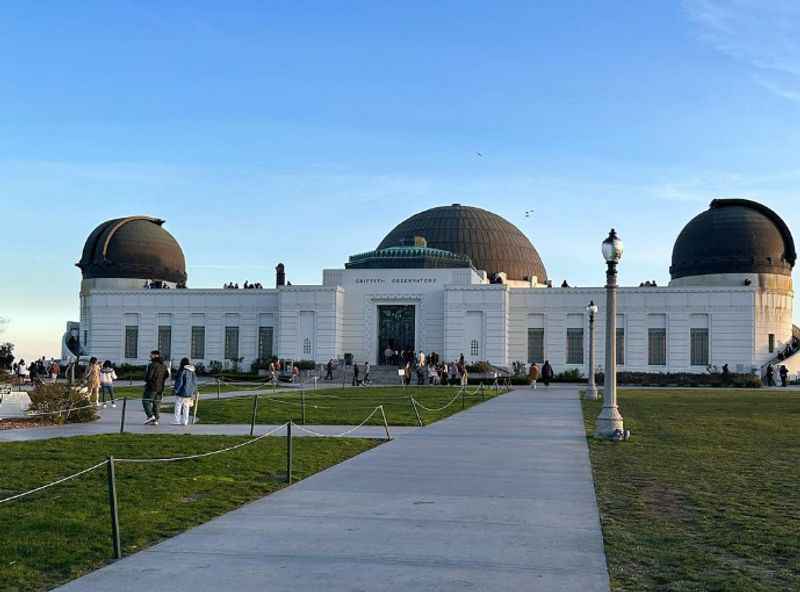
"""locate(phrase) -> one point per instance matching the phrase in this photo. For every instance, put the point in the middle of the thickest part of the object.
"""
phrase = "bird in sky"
(528, 213)
(479, 154)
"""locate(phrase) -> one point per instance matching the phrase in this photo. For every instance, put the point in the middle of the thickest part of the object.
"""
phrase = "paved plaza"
(499, 497)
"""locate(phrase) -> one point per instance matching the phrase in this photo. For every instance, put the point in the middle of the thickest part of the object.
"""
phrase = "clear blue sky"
(302, 132)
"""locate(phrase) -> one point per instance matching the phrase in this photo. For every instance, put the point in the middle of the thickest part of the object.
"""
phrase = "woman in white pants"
(185, 390)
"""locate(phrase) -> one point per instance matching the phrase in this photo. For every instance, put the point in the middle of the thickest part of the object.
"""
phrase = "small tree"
(6, 355)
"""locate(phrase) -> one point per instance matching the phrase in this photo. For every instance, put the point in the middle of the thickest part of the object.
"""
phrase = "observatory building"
(453, 280)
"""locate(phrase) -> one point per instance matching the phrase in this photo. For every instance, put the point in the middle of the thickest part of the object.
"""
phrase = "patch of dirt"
(667, 502)
(24, 422)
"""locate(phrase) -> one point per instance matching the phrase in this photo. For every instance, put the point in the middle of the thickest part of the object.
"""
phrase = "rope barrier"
(453, 400)
(202, 455)
(350, 431)
(59, 481)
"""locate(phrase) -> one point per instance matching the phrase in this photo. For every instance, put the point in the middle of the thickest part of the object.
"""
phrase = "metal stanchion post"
(218, 388)
(122, 418)
(414, 407)
(253, 418)
(303, 407)
(463, 388)
(385, 424)
(289, 452)
(196, 405)
(112, 502)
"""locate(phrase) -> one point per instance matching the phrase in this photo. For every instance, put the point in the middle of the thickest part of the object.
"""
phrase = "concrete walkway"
(499, 497)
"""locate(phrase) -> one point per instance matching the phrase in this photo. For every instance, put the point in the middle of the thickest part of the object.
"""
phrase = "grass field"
(706, 495)
(60, 533)
(348, 406)
(120, 390)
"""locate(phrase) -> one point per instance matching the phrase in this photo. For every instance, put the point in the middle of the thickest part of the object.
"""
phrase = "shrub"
(130, 372)
(571, 375)
(53, 398)
(684, 379)
(479, 368)
(306, 364)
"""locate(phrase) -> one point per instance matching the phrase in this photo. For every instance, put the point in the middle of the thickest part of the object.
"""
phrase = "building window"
(86, 339)
(657, 347)
(231, 343)
(306, 346)
(131, 342)
(699, 347)
(574, 346)
(474, 349)
(265, 343)
(620, 346)
(772, 343)
(165, 341)
(198, 349)
(536, 346)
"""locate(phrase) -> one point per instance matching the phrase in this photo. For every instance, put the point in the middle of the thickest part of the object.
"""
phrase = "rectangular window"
(574, 346)
(264, 343)
(131, 342)
(165, 341)
(474, 348)
(536, 346)
(657, 347)
(699, 347)
(231, 343)
(198, 348)
(620, 346)
(772, 343)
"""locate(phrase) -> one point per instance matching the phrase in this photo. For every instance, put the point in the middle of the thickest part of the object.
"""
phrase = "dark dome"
(493, 243)
(135, 247)
(734, 236)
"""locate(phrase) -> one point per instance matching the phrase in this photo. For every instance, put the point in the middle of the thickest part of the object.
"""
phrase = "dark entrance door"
(395, 329)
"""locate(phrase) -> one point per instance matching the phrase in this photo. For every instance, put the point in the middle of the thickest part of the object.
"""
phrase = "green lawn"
(60, 533)
(706, 495)
(120, 390)
(348, 406)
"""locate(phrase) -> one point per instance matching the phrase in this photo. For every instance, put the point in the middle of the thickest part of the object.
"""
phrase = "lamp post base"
(608, 422)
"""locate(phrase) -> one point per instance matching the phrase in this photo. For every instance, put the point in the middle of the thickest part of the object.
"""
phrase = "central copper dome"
(491, 242)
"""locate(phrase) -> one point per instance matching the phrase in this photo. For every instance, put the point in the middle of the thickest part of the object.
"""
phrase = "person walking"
(93, 381)
(547, 373)
(356, 381)
(770, 375)
(55, 370)
(154, 379)
(107, 378)
(366, 374)
(464, 374)
(784, 372)
(533, 375)
(185, 391)
(329, 370)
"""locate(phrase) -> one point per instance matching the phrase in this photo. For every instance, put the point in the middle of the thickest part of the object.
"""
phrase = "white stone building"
(450, 280)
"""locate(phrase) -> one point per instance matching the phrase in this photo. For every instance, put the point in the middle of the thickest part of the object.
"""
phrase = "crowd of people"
(246, 286)
(37, 372)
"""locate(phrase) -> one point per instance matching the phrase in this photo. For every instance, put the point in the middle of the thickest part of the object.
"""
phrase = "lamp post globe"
(610, 421)
(591, 390)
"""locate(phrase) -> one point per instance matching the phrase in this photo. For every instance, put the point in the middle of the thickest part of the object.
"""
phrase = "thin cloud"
(763, 35)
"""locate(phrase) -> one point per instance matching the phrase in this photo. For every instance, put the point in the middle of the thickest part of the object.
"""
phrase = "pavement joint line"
(390, 560)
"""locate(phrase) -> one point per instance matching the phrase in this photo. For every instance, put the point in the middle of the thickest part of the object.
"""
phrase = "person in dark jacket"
(784, 372)
(547, 373)
(154, 379)
(356, 379)
(770, 375)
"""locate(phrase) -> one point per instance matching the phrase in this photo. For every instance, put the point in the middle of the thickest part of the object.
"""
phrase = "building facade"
(452, 280)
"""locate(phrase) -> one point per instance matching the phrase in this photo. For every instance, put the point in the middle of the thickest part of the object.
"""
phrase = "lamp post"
(591, 391)
(609, 420)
